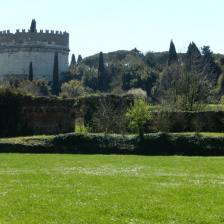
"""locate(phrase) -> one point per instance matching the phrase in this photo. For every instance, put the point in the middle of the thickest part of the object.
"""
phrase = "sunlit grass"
(110, 189)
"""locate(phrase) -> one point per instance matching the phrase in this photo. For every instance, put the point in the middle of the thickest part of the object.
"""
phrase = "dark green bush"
(153, 144)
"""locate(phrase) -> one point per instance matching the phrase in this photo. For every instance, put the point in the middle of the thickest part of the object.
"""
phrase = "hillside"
(152, 73)
(136, 57)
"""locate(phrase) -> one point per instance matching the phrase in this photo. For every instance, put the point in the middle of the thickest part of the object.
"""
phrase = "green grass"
(37, 139)
(110, 189)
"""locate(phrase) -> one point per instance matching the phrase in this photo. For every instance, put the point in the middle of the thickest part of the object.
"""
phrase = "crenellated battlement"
(18, 49)
(25, 36)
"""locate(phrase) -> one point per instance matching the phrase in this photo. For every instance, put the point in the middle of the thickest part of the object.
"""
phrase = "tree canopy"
(172, 54)
(33, 26)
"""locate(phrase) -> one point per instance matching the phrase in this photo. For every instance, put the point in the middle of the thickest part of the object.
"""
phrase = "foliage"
(73, 61)
(30, 77)
(219, 89)
(210, 69)
(139, 77)
(172, 54)
(26, 87)
(55, 86)
(82, 129)
(222, 100)
(137, 116)
(109, 118)
(186, 91)
(72, 89)
(193, 61)
(131, 69)
(103, 79)
(138, 93)
(192, 144)
(86, 75)
(79, 60)
(33, 26)
(34, 88)
(151, 60)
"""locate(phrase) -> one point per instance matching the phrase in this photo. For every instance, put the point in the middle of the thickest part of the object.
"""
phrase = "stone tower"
(18, 50)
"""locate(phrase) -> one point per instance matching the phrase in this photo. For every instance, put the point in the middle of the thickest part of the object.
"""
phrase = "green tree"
(109, 117)
(172, 54)
(33, 28)
(79, 60)
(138, 76)
(89, 78)
(72, 89)
(137, 116)
(210, 67)
(188, 91)
(103, 82)
(150, 60)
(193, 60)
(32, 88)
(73, 61)
(30, 72)
(55, 87)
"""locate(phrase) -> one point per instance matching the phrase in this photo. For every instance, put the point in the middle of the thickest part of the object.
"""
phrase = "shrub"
(222, 100)
(152, 144)
(137, 116)
(82, 129)
(138, 93)
(33, 88)
(109, 117)
(72, 89)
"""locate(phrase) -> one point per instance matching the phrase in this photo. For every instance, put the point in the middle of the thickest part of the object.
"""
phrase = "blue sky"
(109, 25)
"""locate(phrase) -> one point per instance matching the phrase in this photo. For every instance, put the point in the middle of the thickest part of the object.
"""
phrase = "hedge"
(153, 144)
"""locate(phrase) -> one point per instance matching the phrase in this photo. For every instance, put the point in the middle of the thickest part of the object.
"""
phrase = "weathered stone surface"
(19, 49)
(50, 115)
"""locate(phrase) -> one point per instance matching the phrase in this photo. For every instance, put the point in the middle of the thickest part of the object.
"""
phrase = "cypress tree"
(73, 61)
(172, 54)
(55, 87)
(30, 72)
(210, 67)
(79, 61)
(193, 58)
(33, 26)
(102, 75)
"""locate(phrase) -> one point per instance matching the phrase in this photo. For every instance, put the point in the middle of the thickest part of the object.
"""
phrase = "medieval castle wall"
(18, 49)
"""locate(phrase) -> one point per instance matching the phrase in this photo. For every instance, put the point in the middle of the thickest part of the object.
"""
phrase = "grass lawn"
(110, 189)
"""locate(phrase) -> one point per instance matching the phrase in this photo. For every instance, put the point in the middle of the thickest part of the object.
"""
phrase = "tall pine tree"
(103, 81)
(73, 61)
(193, 59)
(210, 67)
(55, 87)
(30, 72)
(33, 28)
(79, 60)
(172, 54)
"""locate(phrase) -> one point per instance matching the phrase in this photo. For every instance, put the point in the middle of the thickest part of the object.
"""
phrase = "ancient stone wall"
(21, 115)
(53, 116)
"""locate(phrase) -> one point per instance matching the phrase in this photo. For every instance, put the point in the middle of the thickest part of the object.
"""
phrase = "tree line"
(186, 80)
